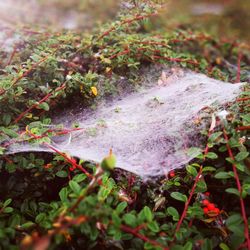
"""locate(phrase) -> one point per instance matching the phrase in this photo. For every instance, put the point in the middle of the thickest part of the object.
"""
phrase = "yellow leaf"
(81, 88)
(209, 220)
(94, 91)
(108, 69)
(107, 60)
(57, 224)
(29, 115)
(27, 241)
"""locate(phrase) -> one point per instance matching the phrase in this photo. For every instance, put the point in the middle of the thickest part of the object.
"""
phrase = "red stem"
(69, 160)
(16, 80)
(171, 59)
(38, 103)
(141, 236)
(236, 176)
(188, 202)
(238, 67)
(242, 99)
(177, 59)
(243, 128)
(12, 55)
(128, 21)
(213, 124)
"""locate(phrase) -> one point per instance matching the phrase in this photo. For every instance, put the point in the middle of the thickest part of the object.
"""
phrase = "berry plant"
(55, 201)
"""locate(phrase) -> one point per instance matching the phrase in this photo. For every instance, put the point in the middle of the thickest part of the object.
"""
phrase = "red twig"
(12, 55)
(128, 21)
(212, 126)
(242, 99)
(16, 80)
(236, 176)
(238, 67)
(171, 59)
(188, 201)
(165, 44)
(126, 51)
(70, 160)
(134, 231)
(38, 103)
(243, 128)
(63, 132)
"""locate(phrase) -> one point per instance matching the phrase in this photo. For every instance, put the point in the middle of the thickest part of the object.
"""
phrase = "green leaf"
(222, 175)
(188, 246)
(8, 210)
(130, 219)
(208, 169)
(2, 149)
(121, 206)
(11, 167)
(233, 143)
(213, 137)
(234, 219)
(241, 156)
(104, 193)
(179, 196)
(153, 226)
(233, 191)
(174, 213)
(211, 155)
(63, 194)
(6, 119)
(240, 166)
(246, 118)
(223, 246)
(237, 230)
(116, 219)
(27, 225)
(191, 170)
(193, 152)
(246, 188)
(15, 220)
(40, 217)
(7, 202)
(195, 211)
(44, 106)
(223, 148)
(79, 178)
(62, 174)
(9, 132)
(75, 187)
(201, 186)
(148, 214)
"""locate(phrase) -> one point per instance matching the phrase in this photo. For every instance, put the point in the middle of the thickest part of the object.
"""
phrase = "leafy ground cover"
(53, 201)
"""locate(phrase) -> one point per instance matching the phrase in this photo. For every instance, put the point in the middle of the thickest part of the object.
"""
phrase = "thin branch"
(38, 103)
(236, 176)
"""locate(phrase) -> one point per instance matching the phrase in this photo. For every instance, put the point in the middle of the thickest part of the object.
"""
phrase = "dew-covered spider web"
(149, 130)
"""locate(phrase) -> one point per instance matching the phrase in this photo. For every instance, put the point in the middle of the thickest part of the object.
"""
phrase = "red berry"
(72, 168)
(211, 206)
(205, 202)
(205, 210)
(172, 174)
(216, 210)
(207, 193)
